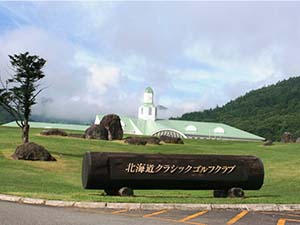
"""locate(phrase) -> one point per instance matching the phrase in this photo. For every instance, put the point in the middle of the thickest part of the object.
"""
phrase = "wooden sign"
(106, 170)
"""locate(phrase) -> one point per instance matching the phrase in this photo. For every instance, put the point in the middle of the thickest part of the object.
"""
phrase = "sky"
(195, 55)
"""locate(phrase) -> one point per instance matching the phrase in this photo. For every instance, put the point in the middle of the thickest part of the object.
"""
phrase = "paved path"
(23, 214)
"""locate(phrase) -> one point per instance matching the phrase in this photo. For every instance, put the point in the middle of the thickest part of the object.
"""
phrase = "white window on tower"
(150, 111)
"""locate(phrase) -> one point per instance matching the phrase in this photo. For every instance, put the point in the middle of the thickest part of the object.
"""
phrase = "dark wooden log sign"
(112, 171)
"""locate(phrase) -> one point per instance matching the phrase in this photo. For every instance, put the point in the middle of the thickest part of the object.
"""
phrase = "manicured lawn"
(62, 179)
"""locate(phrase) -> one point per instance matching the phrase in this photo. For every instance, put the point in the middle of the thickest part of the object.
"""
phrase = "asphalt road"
(23, 214)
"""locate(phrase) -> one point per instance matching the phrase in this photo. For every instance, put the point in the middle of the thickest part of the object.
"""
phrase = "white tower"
(148, 111)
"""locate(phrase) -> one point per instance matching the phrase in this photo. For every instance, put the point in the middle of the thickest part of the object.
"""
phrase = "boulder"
(135, 141)
(236, 193)
(220, 194)
(96, 132)
(32, 151)
(142, 140)
(268, 143)
(112, 124)
(57, 132)
(171, 140)
(152, 140)
(298, 140)
(287, 137)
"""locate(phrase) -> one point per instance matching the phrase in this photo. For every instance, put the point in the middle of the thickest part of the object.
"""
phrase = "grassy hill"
(62, 179)
(267, 112)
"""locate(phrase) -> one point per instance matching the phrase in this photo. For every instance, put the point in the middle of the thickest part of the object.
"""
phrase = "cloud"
(102, 78)
(195, 55)
(71, 88)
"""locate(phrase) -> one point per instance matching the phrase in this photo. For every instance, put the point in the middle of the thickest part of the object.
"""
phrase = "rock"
(125, 191)
(135, 141)
(96, 132)
(111, 192)
(142, 140)
(112, 124)
(236, 193)
(109, 129)
(298, 140)
(172, 140)
(268, 143)
(232, 193)
(287, 137)
(152, 140)
(32, 151)
(57, 132)
(220, 194)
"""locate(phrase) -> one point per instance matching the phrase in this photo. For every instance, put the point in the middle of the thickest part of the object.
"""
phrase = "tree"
(18, 94)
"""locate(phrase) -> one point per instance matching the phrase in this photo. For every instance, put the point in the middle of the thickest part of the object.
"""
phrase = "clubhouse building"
(147, 123)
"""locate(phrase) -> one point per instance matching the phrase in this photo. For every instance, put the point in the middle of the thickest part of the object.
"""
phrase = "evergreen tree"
(18, 94)
(267, 112)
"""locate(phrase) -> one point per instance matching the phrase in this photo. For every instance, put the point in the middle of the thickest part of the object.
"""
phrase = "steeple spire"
(148, 111)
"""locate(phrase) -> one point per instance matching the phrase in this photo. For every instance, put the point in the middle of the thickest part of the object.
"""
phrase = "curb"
(150, 206)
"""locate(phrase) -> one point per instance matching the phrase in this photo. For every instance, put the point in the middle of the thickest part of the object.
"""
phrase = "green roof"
(51, 125)
(133, 125)
(188, 128)
(148, 90)
(208, 129)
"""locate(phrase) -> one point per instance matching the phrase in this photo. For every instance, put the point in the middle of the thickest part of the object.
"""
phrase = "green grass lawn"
(61, 180)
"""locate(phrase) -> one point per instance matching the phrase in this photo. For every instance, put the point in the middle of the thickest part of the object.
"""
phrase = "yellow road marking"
(176, 221)
(120, 211)
(282, 221)
(192, 216)
(138, 215)
(237, 217)
(155, 213)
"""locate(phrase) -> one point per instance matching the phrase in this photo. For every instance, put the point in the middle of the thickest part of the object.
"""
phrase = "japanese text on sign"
(145, 168)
